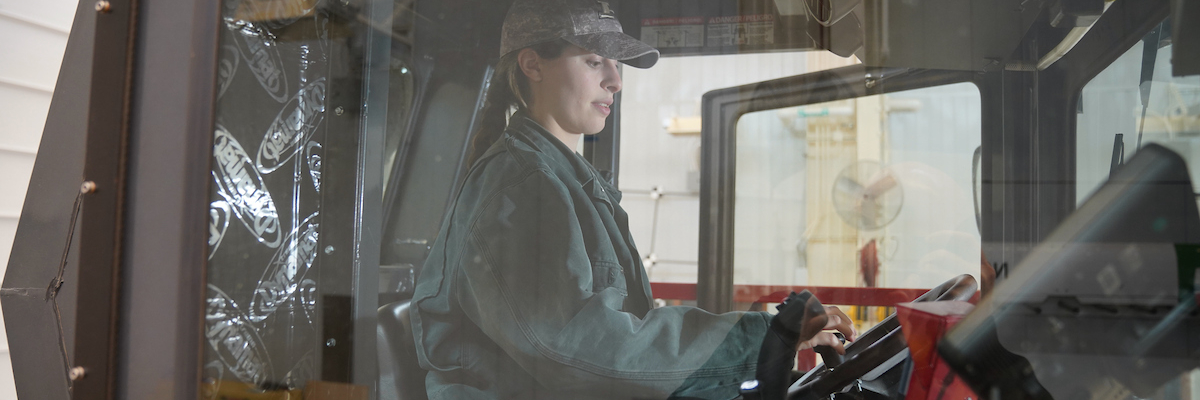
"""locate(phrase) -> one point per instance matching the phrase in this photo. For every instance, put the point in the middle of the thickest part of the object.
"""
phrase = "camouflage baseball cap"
(589, 24)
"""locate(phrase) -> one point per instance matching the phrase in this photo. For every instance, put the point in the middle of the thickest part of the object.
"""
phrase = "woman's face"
(572, 93)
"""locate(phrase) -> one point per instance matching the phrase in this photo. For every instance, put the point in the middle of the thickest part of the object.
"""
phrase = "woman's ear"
(530, 64)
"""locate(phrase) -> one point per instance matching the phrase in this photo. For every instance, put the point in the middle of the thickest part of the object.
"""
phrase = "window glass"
(1132, 106)
(660, 146)
(367, 240)
(310, 95)
(1136, 101)
(865, 192)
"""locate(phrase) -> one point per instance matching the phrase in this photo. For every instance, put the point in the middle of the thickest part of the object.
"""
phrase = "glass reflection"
(881, 191)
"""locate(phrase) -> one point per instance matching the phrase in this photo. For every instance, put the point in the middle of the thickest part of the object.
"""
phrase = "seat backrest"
(400, 376)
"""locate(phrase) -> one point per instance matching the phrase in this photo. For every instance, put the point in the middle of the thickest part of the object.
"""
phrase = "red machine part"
(849, 296)
(924, 324)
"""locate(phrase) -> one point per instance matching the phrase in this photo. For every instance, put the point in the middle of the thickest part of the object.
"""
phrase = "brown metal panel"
(945, 34)
(166, 204)
(39, 322)
(100, 235)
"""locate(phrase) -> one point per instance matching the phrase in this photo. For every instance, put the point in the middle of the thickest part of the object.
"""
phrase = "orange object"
(924, 323)
(321, 390)
(234, 390)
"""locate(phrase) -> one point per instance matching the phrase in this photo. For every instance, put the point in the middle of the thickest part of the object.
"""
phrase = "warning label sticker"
(673, 32)
(741, 30)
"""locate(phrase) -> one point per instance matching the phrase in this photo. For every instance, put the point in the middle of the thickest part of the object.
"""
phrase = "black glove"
(801, 317)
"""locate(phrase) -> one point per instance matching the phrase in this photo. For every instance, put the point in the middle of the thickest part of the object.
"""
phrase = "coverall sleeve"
(528, 282)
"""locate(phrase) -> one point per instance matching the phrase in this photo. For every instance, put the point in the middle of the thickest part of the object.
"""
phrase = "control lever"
(830, 356)
(800, 315)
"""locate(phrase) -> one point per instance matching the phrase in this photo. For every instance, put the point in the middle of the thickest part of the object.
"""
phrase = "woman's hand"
(836, 320)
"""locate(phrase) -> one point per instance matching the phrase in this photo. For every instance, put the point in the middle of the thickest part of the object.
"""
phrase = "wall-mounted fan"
(867, 195)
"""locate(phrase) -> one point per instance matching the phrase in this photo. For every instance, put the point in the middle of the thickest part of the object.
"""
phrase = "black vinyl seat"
(400, 376)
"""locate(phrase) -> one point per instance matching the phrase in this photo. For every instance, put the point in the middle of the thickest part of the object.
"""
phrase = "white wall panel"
(8, 230)
(33, 53)
(15, 169)
(8, 388)
(57, 13)
(673, 88)
(22, 117)
(651, 157)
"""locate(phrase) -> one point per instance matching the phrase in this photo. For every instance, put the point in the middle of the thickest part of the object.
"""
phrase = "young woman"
(534, 288)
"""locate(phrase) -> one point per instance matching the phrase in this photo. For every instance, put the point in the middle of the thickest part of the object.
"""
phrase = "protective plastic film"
(264, 328)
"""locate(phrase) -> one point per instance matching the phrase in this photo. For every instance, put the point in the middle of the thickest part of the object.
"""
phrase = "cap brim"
(618, 46)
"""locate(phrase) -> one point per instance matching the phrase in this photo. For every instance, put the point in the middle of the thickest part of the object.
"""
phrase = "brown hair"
(507, 90)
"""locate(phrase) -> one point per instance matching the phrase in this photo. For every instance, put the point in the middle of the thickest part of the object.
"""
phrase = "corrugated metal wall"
(33, 35)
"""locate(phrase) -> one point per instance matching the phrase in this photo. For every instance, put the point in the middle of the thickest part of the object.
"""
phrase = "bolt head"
(76, 373)
(328, 249)
(103, 6)
(87, 187)
(339, 110)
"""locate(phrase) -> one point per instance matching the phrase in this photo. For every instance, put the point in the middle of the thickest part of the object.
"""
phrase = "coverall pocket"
(608, 275)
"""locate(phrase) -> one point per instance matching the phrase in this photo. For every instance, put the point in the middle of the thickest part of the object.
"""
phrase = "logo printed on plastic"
(282, 278)
(240, 184)
(313, 150)
(256, 45)
(234, 339)
(230, 59)
(218, 222)
(294, 125)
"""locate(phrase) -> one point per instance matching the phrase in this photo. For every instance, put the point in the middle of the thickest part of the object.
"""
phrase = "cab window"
(1135, 101)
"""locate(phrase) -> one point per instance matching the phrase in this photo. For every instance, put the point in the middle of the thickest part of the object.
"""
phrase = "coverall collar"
(522, 126)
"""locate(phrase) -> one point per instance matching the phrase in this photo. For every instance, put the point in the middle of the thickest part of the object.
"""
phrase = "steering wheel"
(874, 347)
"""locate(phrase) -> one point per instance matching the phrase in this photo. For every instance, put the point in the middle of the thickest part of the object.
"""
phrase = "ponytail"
(507, 91)
(503, 95)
